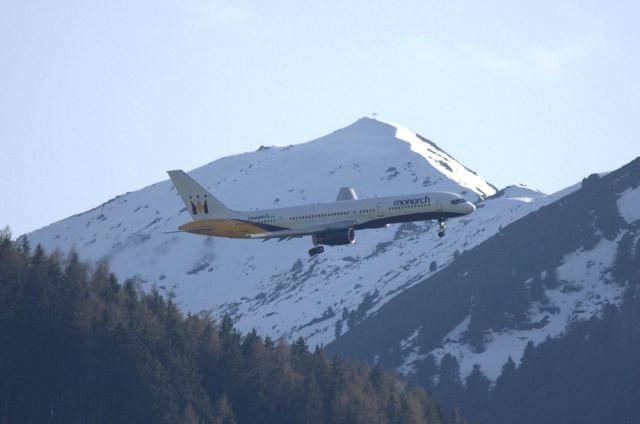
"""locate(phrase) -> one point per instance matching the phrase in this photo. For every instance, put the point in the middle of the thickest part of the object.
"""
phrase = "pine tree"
(405, 415)
(503, 406)
(335, 386)
(25, 246)
(449, 387)
(506, 375)
(426, 370)
(476, 395)
(300, 356)
(376, 376)
(636, 276)
(223, 412)
(392, 410)
(313, 408)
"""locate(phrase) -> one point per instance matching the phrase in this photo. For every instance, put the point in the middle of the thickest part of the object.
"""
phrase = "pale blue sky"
(98, 98)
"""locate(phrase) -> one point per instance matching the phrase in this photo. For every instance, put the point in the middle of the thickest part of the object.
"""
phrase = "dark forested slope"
(76, 346)
(587, 373)
(591, 375)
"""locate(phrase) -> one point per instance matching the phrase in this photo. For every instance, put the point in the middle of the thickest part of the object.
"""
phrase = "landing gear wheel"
(442, 225)
(316, 250)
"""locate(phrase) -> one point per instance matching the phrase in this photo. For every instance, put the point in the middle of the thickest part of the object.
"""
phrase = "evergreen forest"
(77, 346)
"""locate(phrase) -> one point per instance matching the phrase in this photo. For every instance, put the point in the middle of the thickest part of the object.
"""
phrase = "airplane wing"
(303, 231)
(186, 231)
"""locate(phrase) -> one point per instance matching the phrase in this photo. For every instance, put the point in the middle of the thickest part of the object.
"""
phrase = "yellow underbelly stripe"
(222, 228)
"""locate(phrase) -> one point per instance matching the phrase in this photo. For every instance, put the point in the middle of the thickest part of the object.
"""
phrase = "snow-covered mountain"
(274, 286)
(260, 283)
(557, 266)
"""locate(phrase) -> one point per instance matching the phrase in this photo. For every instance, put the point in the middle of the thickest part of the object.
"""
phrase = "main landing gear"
(442, 225)
(316, 250)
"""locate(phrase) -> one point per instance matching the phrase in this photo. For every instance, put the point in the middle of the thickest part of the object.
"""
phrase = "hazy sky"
(100, 97)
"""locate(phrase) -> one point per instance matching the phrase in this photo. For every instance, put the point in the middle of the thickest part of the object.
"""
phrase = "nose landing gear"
(316, 250)
(442, 225)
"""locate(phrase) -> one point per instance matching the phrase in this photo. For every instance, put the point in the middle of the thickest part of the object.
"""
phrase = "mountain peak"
(367, 127)
(380, 141)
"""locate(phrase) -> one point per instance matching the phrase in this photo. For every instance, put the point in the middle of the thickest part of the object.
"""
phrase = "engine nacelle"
(335, 237)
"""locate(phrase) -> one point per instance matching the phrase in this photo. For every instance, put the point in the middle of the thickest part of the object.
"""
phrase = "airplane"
(328, 224)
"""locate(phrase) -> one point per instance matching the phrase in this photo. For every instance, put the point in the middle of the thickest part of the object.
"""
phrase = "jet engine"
(335, 237)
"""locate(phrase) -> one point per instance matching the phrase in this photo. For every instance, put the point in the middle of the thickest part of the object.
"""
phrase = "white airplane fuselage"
(329, 224)
(364, 213)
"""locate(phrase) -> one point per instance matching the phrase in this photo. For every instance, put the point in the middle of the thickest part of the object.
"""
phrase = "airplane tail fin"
(199, 202)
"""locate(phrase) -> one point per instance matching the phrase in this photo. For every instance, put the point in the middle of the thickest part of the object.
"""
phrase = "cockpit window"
(457, 201)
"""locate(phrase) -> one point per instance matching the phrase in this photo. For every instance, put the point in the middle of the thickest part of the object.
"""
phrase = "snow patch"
(520, 192)
(629, 205)
(444, 163)
(413, 355)
(584, 289)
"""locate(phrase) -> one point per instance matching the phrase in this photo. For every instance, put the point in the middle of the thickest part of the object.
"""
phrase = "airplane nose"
(469, 207)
